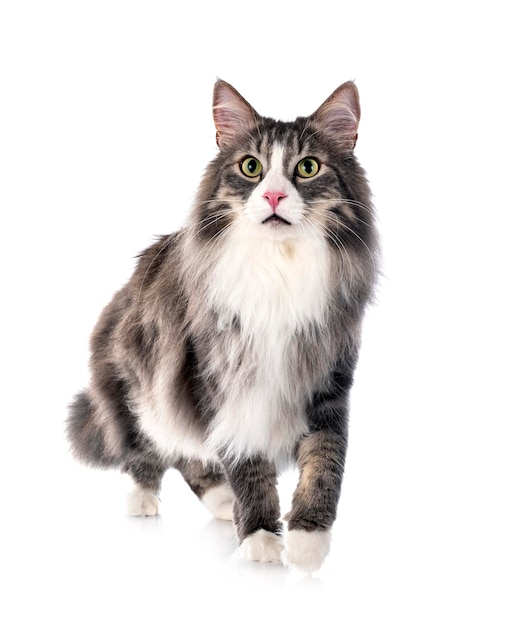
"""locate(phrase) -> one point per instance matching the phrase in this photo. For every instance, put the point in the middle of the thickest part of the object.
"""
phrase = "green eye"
(307, 168)
(251, 167)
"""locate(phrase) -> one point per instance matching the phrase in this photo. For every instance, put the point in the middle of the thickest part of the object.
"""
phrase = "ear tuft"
(339, 115)
(232, 114)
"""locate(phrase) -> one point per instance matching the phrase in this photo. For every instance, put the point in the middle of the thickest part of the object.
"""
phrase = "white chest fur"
(275, 288)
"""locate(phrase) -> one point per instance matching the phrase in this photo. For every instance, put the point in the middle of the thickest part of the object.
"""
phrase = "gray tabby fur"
(231, 350)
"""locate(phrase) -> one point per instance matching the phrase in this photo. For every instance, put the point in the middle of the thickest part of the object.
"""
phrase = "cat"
(230, 352)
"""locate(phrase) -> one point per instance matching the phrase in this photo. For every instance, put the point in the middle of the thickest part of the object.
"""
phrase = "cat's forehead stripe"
(281, 154)
(277, 158)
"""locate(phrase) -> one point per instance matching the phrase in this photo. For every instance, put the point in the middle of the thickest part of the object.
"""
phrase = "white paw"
(220, 501)
(306, 550)
(262, 546)
(142, 503)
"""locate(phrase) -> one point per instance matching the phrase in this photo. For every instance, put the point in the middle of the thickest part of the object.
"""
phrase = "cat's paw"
(142, 503)
(306, 550)
(220, 501)
(262, 546)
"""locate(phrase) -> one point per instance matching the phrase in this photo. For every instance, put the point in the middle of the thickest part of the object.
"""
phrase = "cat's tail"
(94, 436)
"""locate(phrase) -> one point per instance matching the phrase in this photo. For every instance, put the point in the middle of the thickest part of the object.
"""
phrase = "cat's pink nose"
(274, 197)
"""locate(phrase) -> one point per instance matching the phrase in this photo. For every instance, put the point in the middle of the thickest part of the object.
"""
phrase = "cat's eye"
(308, 167)
(251, 167)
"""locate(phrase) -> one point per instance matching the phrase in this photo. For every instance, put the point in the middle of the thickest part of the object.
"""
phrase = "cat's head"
(281, 180)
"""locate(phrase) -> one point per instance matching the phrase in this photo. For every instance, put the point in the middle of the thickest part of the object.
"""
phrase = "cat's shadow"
(216, 544)
(145, 525)
(218, 539)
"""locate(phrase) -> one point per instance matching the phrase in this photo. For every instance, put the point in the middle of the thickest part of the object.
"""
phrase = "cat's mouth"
(276, 219)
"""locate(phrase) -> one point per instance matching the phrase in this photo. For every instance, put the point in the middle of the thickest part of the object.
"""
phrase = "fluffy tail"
(94, 439)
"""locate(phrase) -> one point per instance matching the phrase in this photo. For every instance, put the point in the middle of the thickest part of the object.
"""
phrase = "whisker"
(332, 201)
(210, 220)
(334, 237)
(341, 224)
(306, 126)
(218, 200)
(311, 135)
(217, 215)
(213, 241)
(355, 234)
(329, 214)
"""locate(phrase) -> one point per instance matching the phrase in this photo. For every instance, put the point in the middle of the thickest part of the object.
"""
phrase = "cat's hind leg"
(208, 482)
(147, 469)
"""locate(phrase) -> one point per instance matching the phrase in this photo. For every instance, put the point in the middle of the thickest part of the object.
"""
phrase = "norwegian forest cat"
(231, 350)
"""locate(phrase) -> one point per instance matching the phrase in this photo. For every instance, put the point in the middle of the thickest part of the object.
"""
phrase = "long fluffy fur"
(231, 350)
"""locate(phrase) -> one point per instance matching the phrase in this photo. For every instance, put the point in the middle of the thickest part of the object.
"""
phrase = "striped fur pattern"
(231, 350)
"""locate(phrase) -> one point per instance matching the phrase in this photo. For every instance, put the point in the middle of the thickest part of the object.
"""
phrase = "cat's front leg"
(256, 508)
(320, 458)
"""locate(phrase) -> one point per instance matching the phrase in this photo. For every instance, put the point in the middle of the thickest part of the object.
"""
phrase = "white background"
(105, 129)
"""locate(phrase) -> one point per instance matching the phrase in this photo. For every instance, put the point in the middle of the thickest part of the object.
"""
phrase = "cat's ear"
(339, 115)
(232, 114)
